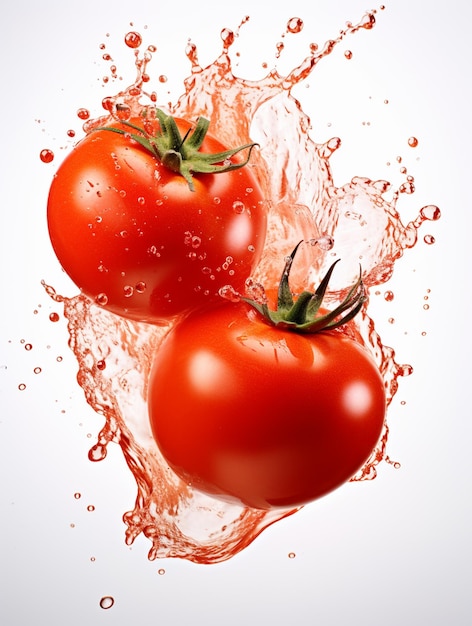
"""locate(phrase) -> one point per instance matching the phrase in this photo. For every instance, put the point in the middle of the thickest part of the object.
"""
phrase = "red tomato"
(135, 238)
(251, 412)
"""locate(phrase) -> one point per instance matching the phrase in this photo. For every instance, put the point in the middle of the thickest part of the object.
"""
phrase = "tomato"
(261, 415)
(141, 239)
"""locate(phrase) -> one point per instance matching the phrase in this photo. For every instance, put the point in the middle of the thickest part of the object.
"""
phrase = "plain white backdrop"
(393, 551)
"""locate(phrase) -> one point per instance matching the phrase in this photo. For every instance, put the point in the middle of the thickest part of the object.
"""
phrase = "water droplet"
(77, 495)
(294, 25)
(412, 142)
(140, 287)
(101, 364)
(229, 293)
(128, 291)
(133, 39)
(37, 370)
(227, 36)
(325, 242)
(291, 555)
(256, 291)
(83, 114)
(389, 296)
(22, 386)
(406, 370)
(238, 206)
(54, 317)
(348, 54)
(97, 452)
(102, 299)
(430, 212)
(46, 155)
(90, 508)
(161, 571)
(28, 346)
(429, 239)
(107, 602)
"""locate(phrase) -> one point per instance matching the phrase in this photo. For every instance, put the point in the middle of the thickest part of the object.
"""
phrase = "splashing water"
(354, 222)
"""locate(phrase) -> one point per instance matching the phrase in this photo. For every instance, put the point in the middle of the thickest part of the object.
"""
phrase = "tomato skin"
(133, 237)
(263, 416)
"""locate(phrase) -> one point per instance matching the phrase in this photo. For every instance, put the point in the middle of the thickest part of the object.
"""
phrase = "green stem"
(182, 155)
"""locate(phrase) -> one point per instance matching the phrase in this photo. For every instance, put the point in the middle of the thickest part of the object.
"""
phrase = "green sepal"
(301, 315)
(182, 154)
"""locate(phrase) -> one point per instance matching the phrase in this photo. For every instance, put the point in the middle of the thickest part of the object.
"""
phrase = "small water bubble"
(101, 299)
(28, 346)
(107, 602)
(59, 359)
(77, 495)
(389, 296)
(161, 571)
(325, 242)
(406, 370)
(128, 291)
(37, 370)
(22, 386)
(430, 212)
(101, 364)
(291, 555)
(97, 452)
(133, 39)
(238, 206)
(123, 112)
(429, 239)
(256, 291)
(90, 508)
(348, 54)
(227, 36)
(229, 293)
(294, 25)
(140, 287)
(251, 248)
(46, 155)
(412, 142)
(54, 317)
(141, 201)
(83, 114)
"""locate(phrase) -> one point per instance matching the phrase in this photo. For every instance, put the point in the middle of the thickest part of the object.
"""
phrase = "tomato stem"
(301, 315)
(182, 154)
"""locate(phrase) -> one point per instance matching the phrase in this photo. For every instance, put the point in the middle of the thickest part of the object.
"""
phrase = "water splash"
(114, 355)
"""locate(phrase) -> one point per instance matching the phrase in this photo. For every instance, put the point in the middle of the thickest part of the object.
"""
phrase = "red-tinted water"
(355, 222)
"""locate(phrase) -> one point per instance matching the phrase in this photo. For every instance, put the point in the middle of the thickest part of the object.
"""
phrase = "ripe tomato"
(260, 414)
(133, 235)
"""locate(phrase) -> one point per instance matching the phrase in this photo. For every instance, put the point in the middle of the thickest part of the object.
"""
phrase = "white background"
(393, 551)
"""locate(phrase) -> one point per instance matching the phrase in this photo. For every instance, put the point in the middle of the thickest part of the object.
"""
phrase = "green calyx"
(182, 154)
(302, 315)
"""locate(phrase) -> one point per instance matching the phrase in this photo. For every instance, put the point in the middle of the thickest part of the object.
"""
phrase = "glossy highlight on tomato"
(261, 415)
(138, 240)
